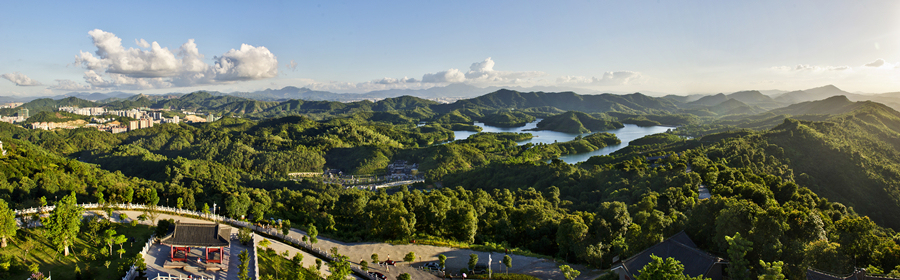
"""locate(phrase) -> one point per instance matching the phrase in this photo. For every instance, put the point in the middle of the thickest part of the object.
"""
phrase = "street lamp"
(214, 209)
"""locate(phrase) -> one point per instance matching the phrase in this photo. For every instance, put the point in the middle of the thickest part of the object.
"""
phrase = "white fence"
(132, 272)
(255, 258)
(170, 277)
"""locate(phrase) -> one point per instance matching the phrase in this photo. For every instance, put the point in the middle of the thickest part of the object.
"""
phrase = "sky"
(678, 47)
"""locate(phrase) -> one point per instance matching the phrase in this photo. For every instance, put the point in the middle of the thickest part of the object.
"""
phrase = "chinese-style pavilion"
(212, 238)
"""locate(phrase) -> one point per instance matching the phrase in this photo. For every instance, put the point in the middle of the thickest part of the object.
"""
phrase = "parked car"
(480, 269)
(378, 275)
(389, 262)
(432, 265)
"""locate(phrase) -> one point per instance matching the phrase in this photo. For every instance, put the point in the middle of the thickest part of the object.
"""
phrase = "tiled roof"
(680, 247)
(201, 235)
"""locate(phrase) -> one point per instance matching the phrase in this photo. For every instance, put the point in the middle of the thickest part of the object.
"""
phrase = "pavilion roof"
(199, 235)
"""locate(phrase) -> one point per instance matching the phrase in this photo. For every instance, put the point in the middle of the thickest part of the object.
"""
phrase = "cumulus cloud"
(20, 79)
(449, 76)
(154, 66)
(607, 79)
(292, 65)
(247, 63)
(481, 72)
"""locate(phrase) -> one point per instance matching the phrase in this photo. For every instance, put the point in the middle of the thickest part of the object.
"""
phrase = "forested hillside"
(810, 190)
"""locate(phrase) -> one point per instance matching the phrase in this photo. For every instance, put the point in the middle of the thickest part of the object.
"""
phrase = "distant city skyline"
(677, 47)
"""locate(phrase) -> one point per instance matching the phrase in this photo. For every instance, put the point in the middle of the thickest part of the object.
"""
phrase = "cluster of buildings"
(21, 116)
(145, 119)
(400, 169)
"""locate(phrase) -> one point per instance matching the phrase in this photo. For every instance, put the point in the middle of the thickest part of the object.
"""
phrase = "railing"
(255, 258)
(170, 277)
(133, 272)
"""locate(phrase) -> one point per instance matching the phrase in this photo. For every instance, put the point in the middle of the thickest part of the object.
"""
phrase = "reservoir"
(626, 134)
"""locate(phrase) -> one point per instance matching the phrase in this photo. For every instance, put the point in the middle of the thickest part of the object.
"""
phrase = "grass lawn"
(62, 268)
(270, 261)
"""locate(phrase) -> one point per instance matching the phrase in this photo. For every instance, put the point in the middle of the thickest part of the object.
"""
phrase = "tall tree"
(313, 233)
(63, 223)
(473, 260)
(8, 226)
(244, 257)
(507, 262)
(737, 249)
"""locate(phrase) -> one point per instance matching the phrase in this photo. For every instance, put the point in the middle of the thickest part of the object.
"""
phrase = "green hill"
(576, 122)
(851, 158)
(569, 101)
(829, 106)
(507, 119)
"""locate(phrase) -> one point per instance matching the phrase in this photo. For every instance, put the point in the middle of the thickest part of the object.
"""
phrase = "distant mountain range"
(447, 93)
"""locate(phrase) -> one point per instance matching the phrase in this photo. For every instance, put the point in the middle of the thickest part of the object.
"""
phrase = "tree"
(245, 235)
(242, 268)
(286, 227)
(8, 226)
(364, 265)
(205, 209)
(442, 260)
(770, 271)
(410, 257)
(312, 232)
(569, 272)
(569, 235)
(26, 246)
(507, 262)
(404, 276)
(109, 236)
(265, 243)
(139, 262)
(120, 240)
(339, 266)
(179, 203)
(659, 269)
(297, 259)
(737, 249)
(64, 223)
(473, 260)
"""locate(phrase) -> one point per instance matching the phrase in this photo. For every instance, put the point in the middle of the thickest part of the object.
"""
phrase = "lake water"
(626, 134)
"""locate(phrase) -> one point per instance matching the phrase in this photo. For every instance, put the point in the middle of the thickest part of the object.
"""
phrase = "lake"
(626, 134)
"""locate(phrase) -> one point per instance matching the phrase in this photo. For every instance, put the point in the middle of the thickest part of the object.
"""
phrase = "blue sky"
(357, 46)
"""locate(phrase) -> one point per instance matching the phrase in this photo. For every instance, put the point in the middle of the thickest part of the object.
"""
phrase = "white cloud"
(248, 63)
(876, 63)
(113, 66)
(607, 79)
(482, 73)
(292, 65)
(142, 43)
(449, 76)
(20, 79)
